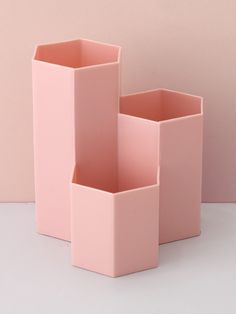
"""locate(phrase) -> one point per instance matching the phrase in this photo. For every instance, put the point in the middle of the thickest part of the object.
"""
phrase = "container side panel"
(136, 230)
(96, 103)
(138, 141)
(92, 229)
(54, 153)
(180, 178)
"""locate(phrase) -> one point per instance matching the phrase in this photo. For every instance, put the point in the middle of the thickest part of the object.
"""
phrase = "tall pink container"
(115, 227)
(75, 99)
(178, 119)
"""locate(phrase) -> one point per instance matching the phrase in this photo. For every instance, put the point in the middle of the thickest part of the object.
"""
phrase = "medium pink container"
(178, 120)
(115, 226)
(75, 100)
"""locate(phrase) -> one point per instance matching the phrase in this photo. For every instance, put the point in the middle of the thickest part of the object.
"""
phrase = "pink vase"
(75, 100)
(178, 120)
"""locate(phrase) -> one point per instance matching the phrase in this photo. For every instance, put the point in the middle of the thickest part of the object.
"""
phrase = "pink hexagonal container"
(115, 227)
(76, 87)
(178, 118)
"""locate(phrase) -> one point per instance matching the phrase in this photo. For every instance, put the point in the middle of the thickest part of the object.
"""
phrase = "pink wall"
(186, 45)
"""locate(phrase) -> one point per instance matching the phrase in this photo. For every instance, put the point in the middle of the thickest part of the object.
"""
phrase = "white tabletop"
(197, 275)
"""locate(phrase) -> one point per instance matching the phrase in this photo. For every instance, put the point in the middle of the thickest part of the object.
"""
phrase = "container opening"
(118, 182)
(77, 53)
(160, 105)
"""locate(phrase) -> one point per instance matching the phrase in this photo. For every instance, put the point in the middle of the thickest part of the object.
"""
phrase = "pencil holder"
(99, 158)
(178, 119)
(75, 104)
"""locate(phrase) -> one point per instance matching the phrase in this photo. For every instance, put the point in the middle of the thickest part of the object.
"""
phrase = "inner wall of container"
(77, 53)
(123, 182)
(160, 105)
(137, 160)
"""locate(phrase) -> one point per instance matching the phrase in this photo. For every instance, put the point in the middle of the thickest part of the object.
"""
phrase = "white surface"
(197, 275)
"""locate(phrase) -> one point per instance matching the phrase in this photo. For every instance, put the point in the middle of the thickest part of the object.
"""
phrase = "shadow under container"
(179, 122)
(76, 88)
(114, 231)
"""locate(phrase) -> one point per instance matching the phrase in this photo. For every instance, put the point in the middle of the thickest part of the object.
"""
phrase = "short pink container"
(114, 232)
(177, 141)
(115, 226)
(76, 86)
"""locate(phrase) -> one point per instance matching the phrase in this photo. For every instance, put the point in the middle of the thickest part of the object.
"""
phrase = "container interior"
(119, 183)
(77, 53)
(135, 164)
(160, 105)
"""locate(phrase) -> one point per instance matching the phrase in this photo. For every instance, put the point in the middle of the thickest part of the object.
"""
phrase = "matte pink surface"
(138, 155)
(178, 121)
(114, 233)
(75, 96)
(54, 149)
(97, 92)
